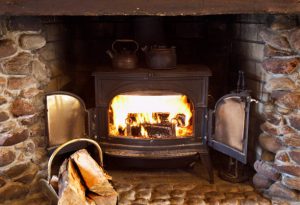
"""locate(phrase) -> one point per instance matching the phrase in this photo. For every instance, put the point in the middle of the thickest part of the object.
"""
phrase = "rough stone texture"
(273, 52)
(3, 116)
(290, 100)
(276, 130)
(30, 93)
(23, 158)
(292, 140)
(273, 118)
(18, 65)
(28, 176)
(267, 156)
(32, 41)
(294, 39)
(13, 190)
(270, 143)
(21, 107)
(15, 171)
(7, 126)
(2, 182)
(275, 40)
(6, 157)
(16, 83)
(294, 120)
(285, 162)
(279, 190)
(261, 182)
(282, 22)
(14, 138)
(2, 84)
(266, 169)
(30, 120)
(281, 66)
(282, 83)
(291, 182)
(295, 155)
(40, 72)
(7, 48)
(3, 100)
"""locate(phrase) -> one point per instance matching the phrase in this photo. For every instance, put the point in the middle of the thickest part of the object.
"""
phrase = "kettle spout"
(110, 54)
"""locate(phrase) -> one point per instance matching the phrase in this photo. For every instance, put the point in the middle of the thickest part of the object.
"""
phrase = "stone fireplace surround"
(33, 60)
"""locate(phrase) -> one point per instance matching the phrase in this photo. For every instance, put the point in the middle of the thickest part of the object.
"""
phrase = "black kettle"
(123, 58)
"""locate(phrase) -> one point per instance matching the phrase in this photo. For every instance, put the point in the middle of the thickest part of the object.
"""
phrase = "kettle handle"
(125, 41)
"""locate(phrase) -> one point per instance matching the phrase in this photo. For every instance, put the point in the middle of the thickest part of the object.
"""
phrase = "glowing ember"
(165, 116)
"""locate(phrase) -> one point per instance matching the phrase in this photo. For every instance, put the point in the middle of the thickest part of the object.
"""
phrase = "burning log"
(160, 130)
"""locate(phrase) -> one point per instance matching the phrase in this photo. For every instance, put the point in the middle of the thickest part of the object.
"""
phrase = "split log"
(71, 190)
(93, 175)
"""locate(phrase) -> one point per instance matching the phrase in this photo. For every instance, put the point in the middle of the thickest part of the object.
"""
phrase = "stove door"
(228, 125)
(66, 118)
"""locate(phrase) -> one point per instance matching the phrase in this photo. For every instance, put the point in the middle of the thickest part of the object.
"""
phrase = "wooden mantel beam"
(145, 7)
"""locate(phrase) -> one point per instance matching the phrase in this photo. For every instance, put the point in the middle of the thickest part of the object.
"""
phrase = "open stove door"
(66, 118)
(228, 125)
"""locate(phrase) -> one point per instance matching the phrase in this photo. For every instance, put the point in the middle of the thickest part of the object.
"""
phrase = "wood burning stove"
(156, 115)
(174, 100)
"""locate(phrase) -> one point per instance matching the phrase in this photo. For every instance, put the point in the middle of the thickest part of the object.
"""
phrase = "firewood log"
(71, 190)
(92, 174)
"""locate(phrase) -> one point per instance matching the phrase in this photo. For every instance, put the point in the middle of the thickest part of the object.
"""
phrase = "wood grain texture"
(145, 7)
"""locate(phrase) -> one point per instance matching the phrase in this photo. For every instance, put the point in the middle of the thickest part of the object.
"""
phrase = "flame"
(136, 111)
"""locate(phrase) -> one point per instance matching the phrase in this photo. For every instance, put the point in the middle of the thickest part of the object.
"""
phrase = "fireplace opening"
(150, 116)
(68, 53)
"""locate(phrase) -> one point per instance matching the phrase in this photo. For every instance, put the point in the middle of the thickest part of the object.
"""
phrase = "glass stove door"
(228, 126)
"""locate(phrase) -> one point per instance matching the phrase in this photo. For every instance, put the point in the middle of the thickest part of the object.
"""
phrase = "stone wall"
(27, 62)
(278, 166)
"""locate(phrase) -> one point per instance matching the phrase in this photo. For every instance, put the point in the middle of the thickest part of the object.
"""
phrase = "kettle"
(123, 58)
(160, 57)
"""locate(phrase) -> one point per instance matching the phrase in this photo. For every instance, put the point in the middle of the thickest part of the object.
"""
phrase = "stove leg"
(205, 159)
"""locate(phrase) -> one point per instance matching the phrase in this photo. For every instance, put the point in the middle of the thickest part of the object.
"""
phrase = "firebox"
(152, 114)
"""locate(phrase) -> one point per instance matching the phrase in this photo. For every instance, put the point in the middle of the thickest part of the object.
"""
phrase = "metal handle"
(54, 154)
(125, 41)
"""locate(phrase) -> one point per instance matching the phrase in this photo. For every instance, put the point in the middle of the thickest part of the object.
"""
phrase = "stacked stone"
(23, 158)
(278, 169)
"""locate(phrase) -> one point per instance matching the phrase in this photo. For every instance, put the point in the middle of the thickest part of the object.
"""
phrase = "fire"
(166, 116)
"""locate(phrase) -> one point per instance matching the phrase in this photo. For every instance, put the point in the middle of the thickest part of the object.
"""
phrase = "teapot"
(160, 57)
(123, 58)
